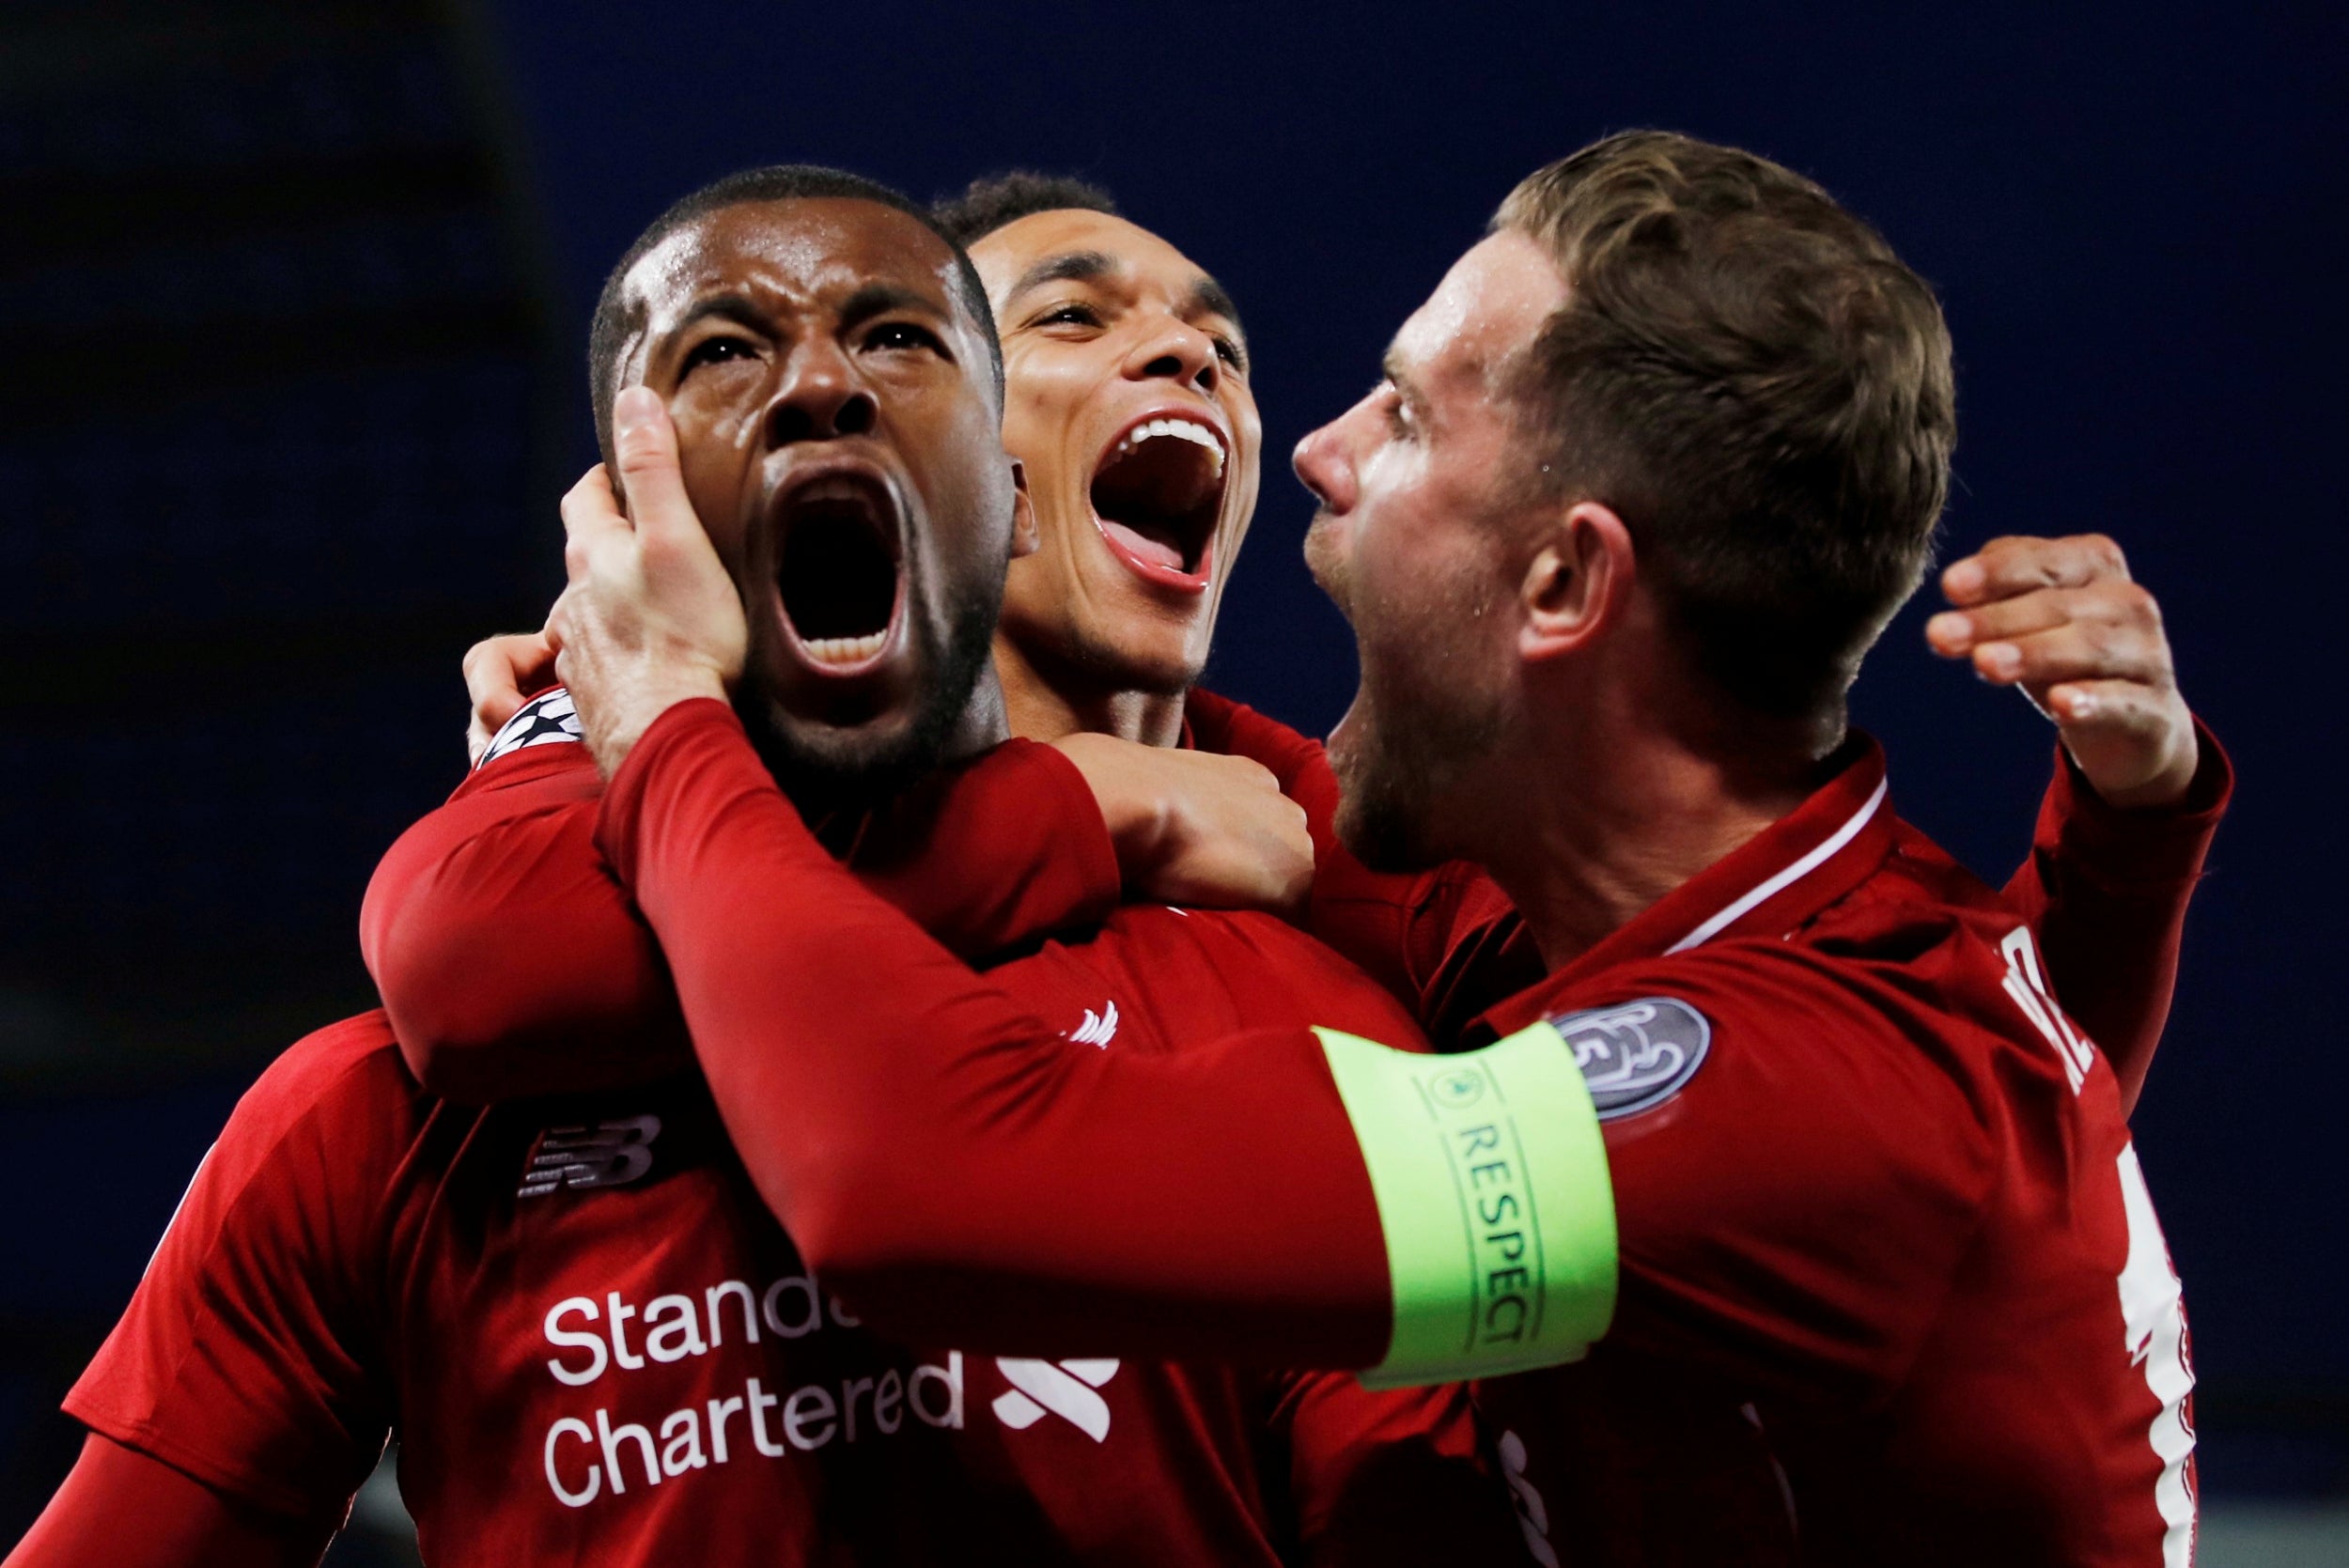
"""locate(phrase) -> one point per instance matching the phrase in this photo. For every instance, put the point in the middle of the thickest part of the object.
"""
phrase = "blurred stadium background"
(291, 296)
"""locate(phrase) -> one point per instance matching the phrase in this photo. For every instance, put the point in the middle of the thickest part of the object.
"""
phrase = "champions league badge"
(545, 719)
(1636, 1055)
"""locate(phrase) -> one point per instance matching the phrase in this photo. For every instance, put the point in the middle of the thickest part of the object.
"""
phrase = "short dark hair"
(989, 203)
(614, 321)
(1747, 373)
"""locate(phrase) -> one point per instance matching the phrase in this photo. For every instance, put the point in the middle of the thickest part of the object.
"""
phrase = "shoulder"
(337, 1110)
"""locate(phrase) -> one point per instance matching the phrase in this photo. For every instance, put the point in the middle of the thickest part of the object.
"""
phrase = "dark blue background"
(2134, 215)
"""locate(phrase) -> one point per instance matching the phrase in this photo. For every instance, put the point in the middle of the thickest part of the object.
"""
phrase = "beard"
(823, 768)
(1403, 751)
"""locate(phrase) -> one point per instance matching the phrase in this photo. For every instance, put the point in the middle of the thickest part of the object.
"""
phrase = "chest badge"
(1636, 1055)
(610, 1153)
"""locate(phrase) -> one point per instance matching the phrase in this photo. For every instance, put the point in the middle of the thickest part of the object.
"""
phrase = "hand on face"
(1195, 828)
(650, 617)
(2060, 619)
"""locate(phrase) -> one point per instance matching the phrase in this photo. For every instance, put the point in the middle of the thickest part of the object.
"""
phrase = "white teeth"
(832, 488)
(846, 650)
(1182, 429)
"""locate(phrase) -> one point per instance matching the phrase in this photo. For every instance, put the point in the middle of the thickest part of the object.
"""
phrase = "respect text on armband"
(1498, 1216)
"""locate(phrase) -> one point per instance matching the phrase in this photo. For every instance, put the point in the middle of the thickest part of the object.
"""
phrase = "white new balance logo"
(1063, 1389)
(1098, 1028)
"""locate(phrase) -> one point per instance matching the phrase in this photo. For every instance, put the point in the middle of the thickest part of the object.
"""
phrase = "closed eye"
(1069, 315)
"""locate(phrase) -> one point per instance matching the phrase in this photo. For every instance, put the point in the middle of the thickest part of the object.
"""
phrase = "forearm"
(2108, 892)
(948, 1162)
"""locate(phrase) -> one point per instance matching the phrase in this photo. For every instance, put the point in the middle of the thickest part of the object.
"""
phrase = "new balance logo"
(610, 1153)
(1098, 1028)
(1063, 1389)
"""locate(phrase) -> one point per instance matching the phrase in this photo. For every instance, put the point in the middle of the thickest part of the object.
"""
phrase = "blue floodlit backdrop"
(293, 302)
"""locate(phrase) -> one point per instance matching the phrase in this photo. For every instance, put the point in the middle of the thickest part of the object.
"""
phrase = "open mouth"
(837, 574)
(1156, 495)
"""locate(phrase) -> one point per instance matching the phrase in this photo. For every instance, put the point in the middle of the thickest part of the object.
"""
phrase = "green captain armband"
(1491, 1181)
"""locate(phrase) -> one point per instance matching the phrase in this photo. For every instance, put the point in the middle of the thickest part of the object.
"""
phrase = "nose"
(1176, 351)
(820, 398)
(1324, 468)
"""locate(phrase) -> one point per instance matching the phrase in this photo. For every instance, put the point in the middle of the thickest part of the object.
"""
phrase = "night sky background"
(293, 317)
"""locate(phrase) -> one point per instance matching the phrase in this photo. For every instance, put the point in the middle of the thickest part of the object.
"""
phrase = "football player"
(1792, 1128)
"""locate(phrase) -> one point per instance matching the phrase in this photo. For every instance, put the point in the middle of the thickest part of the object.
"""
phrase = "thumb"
(646, 452)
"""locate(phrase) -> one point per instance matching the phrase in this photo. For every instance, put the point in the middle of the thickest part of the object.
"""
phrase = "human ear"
(1026, 537)
(1576, 585)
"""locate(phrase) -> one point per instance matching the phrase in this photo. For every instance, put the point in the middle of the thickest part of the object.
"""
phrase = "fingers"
(2041, 636)
(2018, 564)
(2076, 651)
(646, 446)
(590, 512)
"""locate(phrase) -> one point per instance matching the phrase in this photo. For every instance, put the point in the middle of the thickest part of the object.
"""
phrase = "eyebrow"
(1067, 267)
(878, 299)
(736, 308)
(1212, 297)
(1391, 366)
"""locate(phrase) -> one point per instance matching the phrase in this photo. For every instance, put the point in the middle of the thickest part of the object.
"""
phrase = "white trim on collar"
(1785, 878)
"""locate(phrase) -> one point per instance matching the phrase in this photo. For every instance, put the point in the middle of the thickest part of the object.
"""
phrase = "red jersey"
(597, 1345)
(1874, 1193)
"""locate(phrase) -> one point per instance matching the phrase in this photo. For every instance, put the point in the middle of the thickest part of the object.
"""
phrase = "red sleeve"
(512, 963)
(2106, 892)
(1794, 1215)
(948, 1161)
(246, 1357)
(1447, 942)
(1392, 1477)
(181, 1522)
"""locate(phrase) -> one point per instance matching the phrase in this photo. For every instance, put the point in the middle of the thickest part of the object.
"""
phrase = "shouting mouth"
(1156, 495)
(838, 572)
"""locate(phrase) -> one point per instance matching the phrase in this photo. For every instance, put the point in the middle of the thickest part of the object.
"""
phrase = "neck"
(1583, 846)
(1047, 701)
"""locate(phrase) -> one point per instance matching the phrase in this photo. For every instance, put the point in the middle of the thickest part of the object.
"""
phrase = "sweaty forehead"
(1488, 308)
(1016, 252)
(807, 249)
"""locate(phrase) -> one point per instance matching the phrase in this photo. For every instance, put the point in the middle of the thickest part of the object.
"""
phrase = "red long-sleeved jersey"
(2105, 890)
(1860, 1173)
(599, 1345)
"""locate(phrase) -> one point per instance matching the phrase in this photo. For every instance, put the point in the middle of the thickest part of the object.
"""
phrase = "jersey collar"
(1784, 874)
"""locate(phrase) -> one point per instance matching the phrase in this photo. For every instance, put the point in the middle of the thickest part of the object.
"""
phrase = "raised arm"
(2140, 784)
